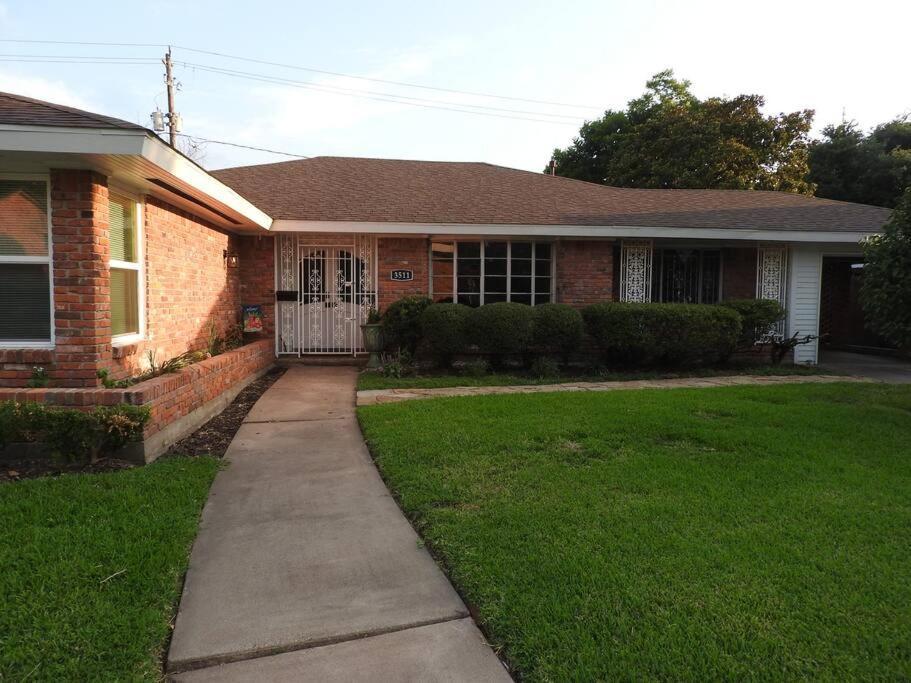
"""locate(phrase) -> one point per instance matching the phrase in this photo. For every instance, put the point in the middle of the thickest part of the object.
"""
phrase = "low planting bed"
(733, 533)
(92, 568)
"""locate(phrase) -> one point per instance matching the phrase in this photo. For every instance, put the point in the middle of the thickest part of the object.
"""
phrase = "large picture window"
(478, 273)
(126, 280)
(687, 276)
(25, 263)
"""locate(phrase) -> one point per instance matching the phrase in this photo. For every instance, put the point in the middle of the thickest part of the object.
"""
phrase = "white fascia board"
(127, 142)
(175, 163)
(589, 231)
(62, 140)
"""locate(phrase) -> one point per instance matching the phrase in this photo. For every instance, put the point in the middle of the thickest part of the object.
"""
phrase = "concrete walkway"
(374, 396)
(306, 569)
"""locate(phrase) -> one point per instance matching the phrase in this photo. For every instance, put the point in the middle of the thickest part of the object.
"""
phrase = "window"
(126, 280)
(25, 263)
(690, 276)
(478, 273)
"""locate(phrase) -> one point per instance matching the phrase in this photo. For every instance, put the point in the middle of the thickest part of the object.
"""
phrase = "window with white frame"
(25, 263)
(126, 268)
(478, 273)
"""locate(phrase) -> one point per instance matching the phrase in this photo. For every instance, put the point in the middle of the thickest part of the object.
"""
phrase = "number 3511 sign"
(402, 275)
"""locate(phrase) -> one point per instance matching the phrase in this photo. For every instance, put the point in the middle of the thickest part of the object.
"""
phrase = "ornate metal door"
(336, 292)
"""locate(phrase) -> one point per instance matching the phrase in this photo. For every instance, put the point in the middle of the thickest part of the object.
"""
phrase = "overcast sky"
(828, 56)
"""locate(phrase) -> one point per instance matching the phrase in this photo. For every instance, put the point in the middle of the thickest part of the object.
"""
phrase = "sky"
(558, 63)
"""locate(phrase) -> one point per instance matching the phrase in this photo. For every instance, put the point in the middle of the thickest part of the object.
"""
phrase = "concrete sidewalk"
(306, 569)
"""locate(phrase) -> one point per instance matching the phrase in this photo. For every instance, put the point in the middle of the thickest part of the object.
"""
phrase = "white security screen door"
(335, 294)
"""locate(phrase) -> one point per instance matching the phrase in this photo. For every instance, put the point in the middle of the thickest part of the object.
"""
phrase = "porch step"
(332, 359)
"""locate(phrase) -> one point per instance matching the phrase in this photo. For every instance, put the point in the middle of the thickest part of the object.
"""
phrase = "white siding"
(803, 299)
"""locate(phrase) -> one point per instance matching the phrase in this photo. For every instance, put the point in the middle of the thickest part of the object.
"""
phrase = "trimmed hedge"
(443, 327)
(502, 328)
(401, 323)
(558, 328)
(69, 433)
(759, 316)
(663, 334)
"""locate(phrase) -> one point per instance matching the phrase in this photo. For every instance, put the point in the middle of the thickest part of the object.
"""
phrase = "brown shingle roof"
(388, 190)
(26, 111)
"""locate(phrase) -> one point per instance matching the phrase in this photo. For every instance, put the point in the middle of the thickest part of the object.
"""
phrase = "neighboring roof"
(398, 191)
(18, 110)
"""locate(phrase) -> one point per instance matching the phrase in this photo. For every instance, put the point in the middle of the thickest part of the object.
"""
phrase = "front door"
(335, 296)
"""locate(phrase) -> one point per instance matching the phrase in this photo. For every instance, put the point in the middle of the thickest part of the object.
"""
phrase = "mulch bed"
(210, 439)
(215, 435)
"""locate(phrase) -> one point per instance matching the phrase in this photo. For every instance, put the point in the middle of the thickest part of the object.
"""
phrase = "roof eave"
(153, 161)
(577, 231)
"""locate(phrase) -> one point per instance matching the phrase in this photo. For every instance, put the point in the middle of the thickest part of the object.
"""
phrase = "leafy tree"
(886, 289)
(870, 169)
(668, 138)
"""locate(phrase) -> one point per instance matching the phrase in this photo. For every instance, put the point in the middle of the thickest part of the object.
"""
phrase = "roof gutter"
(579, 231)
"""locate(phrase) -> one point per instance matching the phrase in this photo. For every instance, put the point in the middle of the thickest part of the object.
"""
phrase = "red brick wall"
(738, 278)
(402, 252)
(584, 272)
(171, 396)
(79, 232)
(257, 277)
(189, 287)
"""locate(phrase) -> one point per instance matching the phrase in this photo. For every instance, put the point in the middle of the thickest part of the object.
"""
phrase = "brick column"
(82, 297)
(257, 277)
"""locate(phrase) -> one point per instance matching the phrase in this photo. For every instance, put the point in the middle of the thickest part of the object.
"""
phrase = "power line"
(385, 98)
(312, 70)
(235, 144)
(353, 91)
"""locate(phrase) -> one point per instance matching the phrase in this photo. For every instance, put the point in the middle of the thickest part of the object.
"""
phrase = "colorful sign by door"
(402, 275)
(253, 318)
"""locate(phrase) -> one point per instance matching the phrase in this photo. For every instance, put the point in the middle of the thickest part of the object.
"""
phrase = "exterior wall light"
(230, 258)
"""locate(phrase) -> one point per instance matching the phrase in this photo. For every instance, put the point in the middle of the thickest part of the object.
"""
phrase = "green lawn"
(733, 533)
(374, 380)
(91, 567)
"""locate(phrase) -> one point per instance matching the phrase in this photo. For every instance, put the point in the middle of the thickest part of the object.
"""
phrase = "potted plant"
(372, 332)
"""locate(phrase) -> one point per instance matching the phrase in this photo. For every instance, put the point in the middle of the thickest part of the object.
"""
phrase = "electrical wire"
(312, 70)
(235, 144)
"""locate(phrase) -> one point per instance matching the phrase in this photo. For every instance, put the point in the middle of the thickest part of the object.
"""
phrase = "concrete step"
(325, 359)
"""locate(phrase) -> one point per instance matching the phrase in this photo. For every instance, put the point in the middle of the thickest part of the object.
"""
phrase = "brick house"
(114, 246)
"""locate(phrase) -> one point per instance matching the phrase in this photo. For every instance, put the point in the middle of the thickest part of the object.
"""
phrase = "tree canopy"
(886, 290)
(875, 169)
(668, 138)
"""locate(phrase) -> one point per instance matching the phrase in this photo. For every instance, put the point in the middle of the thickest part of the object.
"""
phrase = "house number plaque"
(402, 275)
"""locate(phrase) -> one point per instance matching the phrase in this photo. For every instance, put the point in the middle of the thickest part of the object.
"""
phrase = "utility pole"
(173, 117)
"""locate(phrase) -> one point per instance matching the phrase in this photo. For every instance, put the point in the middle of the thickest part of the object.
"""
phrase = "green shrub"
(69, 433)
(477, 367)
(759, 317)
(663, 334)
(402, 323)
(558, 328)
(544, 367)
(502, 328)
(443, 328)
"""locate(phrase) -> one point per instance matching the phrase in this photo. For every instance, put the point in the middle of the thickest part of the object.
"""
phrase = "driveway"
(306, 569)
(881, 368)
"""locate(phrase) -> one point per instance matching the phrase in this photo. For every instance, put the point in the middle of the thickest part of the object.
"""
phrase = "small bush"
(443, 328)
(402, 323)
(544, 367)
(663, 334)
(502, 328)
(397, 365)
(558, 328)
(72, 434)
(759, 317)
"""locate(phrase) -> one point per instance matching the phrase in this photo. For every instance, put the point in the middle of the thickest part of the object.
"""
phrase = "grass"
(731, 533)
(374, 380)
(92, 566)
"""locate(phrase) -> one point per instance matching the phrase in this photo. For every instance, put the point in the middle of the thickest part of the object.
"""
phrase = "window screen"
(25, 302)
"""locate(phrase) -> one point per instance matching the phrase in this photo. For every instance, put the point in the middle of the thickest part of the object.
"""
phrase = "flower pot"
(373, 342)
